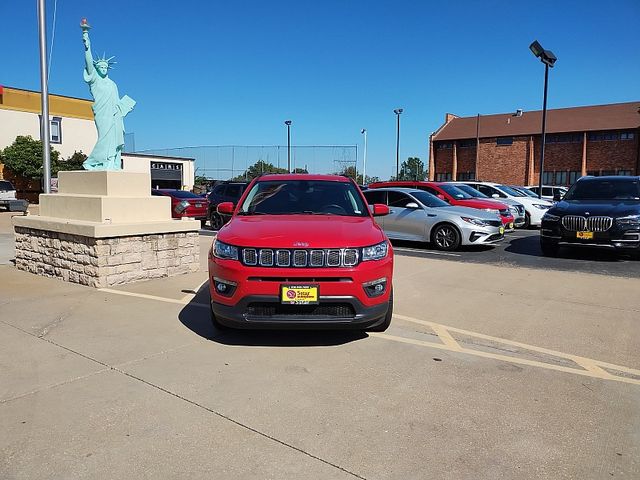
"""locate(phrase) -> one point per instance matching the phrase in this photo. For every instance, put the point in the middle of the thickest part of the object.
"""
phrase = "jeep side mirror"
(380, 210)
(226, 208)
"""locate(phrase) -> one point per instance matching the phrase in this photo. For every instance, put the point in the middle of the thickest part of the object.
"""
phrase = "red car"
(301, 251)
(185, 204)
(454, 196)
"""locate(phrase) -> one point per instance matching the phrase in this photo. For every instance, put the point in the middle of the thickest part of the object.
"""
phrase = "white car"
(535, 208)
(548, 191)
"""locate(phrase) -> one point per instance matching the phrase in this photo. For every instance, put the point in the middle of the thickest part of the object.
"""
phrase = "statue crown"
(108, 61)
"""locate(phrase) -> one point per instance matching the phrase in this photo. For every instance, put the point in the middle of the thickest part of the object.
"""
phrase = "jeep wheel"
(549, 248)
(214, 321)
(387, 318)
(446, 237)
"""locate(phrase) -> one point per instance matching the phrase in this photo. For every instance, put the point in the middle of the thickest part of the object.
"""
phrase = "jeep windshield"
(304, 197)
(605, 189)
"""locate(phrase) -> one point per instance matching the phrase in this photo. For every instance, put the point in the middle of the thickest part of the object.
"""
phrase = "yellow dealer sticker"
(299, 294)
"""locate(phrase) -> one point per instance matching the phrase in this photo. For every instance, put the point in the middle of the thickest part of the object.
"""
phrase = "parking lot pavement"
(487, 371)
(521, 248)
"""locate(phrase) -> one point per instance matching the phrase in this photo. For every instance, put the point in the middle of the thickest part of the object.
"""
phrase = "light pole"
(364, 161)
(398, 111)
(549, 59)
(288, 124)
(44, 91)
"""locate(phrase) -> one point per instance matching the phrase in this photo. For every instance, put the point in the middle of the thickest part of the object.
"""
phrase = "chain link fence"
(224, 162)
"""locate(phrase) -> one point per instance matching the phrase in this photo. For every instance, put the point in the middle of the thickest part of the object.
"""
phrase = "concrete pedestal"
(103, 229)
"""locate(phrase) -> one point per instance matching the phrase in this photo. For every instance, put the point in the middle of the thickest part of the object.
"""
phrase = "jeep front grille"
(267, 257)
(577, 223)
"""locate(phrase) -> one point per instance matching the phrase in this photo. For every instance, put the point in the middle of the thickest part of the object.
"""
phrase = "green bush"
(24, 157)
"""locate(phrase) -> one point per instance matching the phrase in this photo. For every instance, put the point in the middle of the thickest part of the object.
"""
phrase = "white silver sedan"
(419, 216)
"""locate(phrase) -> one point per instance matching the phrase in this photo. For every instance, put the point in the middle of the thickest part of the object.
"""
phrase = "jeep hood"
(301, 231)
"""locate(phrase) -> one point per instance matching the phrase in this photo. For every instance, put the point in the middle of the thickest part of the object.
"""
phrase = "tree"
(258, 169)
(74, 162)
(411, 169)
(24, 157)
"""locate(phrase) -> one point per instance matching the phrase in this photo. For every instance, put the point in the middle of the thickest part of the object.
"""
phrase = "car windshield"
(510, 191)
(526, 191)
(455, 192)
(182, 194)
(601, 189)
(310, 197)
(471, 191)
(428, 200)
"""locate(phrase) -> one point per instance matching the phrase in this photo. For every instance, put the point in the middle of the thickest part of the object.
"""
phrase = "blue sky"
(223, 73)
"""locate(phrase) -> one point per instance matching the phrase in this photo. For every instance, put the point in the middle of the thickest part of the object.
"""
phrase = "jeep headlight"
(224, 251)
(631, 221)
(375, 252)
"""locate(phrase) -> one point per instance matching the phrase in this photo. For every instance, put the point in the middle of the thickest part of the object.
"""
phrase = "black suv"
(599, 212)
(223, 192)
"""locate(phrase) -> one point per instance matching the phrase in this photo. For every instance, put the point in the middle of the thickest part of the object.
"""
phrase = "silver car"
(419, 216)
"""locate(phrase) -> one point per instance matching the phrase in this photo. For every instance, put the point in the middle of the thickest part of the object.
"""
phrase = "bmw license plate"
(299, 294)
(584, 235)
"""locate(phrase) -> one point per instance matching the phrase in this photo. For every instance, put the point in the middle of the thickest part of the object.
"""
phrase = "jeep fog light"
(375, 288)
(226, 288)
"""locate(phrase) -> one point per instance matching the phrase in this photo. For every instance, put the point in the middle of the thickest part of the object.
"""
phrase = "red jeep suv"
(301, 251)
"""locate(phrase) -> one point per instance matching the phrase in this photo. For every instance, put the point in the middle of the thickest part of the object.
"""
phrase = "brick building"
(594, 140)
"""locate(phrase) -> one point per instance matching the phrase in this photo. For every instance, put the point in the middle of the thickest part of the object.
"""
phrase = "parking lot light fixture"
(549, 59)
(398, 112)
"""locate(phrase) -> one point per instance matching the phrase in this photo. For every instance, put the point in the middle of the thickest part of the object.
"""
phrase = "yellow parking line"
(592, 368)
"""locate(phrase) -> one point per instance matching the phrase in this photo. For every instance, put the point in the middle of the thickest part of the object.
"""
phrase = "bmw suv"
(301, 251)
(601, 212)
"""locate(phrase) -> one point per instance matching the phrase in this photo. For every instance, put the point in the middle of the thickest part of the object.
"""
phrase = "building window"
(624, 173)
(444, 145)
(560, 178)
(563, 138)
(55, 130)
(626, 136)
(443, 177)
(467, 143)
(573, 176)
(504, 141)
(547, 178)
(593, 173)
(466, 176)
(606, 173)
(603, 136)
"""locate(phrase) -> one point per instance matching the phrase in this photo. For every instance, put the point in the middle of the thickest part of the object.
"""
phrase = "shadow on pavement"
(531, 246)
(196, 317)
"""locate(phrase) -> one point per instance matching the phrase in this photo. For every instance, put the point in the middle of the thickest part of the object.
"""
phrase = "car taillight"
(181, 207)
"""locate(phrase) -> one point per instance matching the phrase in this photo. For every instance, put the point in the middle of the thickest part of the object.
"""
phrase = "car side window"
(373, 196)
(398, 199)
(547, 191)
(233, 191)
(430, 190)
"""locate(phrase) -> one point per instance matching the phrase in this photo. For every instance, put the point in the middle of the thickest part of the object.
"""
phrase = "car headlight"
(541, 206)
(375, 252)
(492, 210)
(547, 217)
(475, 221)
(224, 251)
(631, 220)
(514, 211)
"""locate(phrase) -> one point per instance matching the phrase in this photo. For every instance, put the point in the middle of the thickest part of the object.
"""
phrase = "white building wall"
(77, 134)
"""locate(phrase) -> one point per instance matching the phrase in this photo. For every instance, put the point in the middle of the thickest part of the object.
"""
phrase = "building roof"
(616, 116)
(29, 101)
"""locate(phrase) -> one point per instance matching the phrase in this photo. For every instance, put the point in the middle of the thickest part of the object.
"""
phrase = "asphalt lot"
(489, 370)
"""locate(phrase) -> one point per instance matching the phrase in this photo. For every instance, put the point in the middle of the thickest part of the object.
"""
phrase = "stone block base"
(105, 262)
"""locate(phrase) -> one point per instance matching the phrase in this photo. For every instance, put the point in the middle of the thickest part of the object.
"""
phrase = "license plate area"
(299, 294)
(584, 235)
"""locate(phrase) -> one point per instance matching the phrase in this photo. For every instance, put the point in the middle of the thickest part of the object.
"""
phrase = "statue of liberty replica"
(109, 109)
